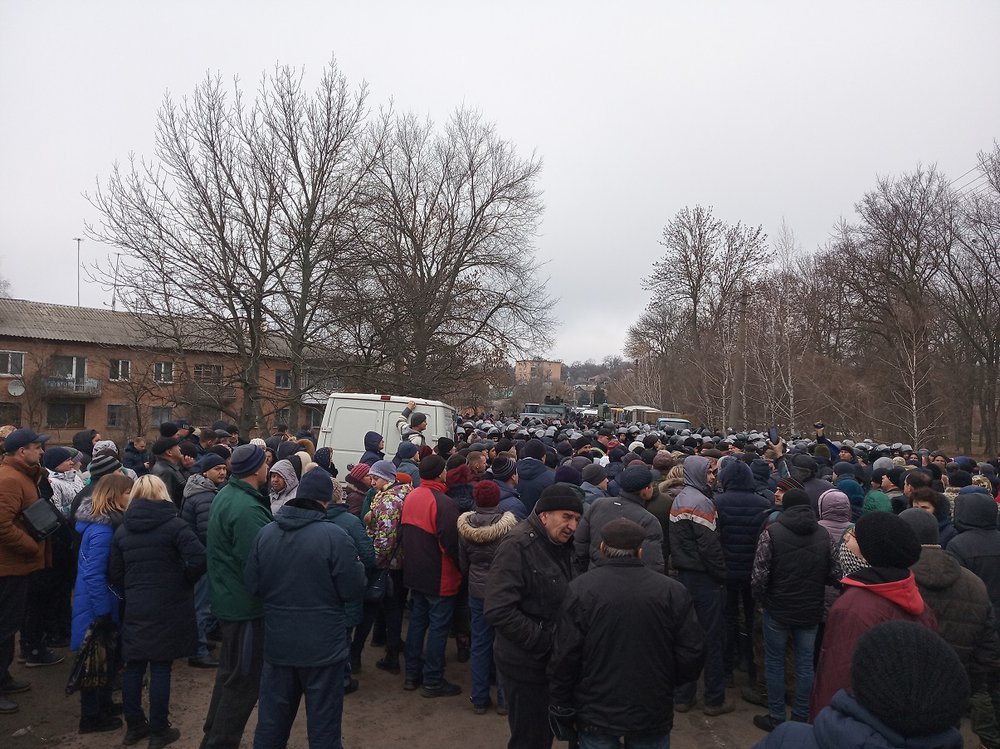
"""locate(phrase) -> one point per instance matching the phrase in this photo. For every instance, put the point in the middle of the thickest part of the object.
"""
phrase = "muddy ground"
(380, 715)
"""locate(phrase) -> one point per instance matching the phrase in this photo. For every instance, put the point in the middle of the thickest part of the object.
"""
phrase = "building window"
(121, 370)
(283, 379)
(282, 415)
(163, 372)
(208, 373)
(65, 415)
(315, 417)
(11, 364)
(160, 415)
(116, 416)
(10, 413)
(71, 367)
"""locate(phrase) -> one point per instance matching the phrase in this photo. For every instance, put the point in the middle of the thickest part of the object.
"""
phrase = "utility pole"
(77, 240)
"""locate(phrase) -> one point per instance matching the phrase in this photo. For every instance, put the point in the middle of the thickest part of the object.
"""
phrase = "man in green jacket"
(239, 511)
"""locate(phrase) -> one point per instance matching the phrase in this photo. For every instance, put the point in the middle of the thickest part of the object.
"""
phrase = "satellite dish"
(15, 388)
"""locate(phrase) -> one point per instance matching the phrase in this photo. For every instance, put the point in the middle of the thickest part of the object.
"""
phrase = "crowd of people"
(597, 578)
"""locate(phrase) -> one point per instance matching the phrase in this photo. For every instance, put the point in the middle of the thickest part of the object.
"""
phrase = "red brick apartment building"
(63, 369)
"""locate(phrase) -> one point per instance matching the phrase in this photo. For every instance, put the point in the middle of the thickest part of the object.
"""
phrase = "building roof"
(20, 318)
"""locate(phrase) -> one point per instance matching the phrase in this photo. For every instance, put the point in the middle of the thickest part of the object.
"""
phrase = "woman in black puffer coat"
(155, 558)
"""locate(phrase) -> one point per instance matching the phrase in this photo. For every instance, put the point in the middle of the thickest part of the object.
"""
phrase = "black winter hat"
(163, 444)
(581, 443)
(594, 474)
(533, 449)
(622, 533)
(503, 468)
(897, 476)
(431, 467)
(568, 474)
(795, 497)
(635, 478)
(560, 497)
(886, 541)
(924, 525)
(417, 418)
(909, 678)
(316, 484)
(843, 468)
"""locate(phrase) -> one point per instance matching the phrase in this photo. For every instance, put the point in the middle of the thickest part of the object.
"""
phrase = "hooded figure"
(84, 442)
(286, 471)
(373, 449)
(847, 482)
(805, 469)
(977, 545)
(741, 513)
(835, 513)
(697, 554)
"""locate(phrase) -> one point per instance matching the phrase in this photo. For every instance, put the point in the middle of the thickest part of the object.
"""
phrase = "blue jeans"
(707, 596)
(281, 690)
(430, 617)
(206, 621)
(159, 693)
(776, 637)
(603, 741)
(481, 659)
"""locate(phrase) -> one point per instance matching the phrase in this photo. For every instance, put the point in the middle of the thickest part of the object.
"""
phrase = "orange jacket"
(20, 554)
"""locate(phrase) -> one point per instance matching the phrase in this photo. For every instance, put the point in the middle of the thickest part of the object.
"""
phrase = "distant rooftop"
(20, 318)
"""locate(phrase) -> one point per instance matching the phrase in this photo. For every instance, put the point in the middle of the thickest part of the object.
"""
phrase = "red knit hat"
(486, 494)
(357, 475)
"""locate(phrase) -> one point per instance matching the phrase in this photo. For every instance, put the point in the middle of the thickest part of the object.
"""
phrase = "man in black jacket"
(167, 467)
(796, 559)
(524, 590)
(641, 636)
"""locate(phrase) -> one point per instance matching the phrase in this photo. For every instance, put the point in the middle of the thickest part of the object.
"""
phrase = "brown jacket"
(20, 554)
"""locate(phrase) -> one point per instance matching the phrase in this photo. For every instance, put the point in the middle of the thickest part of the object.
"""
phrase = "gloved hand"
(562, 722)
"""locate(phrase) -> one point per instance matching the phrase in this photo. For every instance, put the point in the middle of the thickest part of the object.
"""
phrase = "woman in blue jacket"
(99, 515)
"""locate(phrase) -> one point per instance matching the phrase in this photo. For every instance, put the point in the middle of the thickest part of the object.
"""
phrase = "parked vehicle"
(349, 416)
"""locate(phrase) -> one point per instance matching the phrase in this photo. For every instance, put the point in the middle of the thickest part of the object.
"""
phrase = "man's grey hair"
(612, 553)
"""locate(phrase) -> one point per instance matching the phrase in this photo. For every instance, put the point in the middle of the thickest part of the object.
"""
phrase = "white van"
(349, 416)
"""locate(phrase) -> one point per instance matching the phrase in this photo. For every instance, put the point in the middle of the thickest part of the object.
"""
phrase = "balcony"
(62, 387)
(208, 393)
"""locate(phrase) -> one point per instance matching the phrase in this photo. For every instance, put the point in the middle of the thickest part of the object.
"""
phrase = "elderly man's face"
(560, 525)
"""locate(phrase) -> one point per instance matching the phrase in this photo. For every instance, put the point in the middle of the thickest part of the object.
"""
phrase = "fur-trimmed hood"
(485, 527)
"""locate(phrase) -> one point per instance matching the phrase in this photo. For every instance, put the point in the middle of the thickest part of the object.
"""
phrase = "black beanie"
(886, 541)
(794, 497)
(533, 449)
(431, 467)
(908, 677)
(560, 497)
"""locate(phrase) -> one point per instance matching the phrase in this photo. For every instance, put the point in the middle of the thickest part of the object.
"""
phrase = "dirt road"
(380, 715)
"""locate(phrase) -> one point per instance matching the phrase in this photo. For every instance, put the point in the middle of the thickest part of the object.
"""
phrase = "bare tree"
(448, 235)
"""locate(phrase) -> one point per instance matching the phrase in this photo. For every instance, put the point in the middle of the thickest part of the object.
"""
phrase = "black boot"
(137, 731)
(159, 739)
(390, 662)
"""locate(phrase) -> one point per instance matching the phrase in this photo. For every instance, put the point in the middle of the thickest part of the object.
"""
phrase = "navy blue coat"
(340, 515)
(532, 478)
(305, 569)
(510, 501)
(741, 513)
(846, 724)
(372, 454)
(156, 559)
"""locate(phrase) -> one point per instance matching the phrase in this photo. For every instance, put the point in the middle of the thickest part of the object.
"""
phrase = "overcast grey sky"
(766, 110)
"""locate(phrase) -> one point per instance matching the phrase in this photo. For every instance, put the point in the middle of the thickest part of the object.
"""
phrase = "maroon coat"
(861, 606)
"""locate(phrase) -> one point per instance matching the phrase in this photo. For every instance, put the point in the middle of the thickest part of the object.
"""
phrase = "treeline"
(374, 249)
(890, 330)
